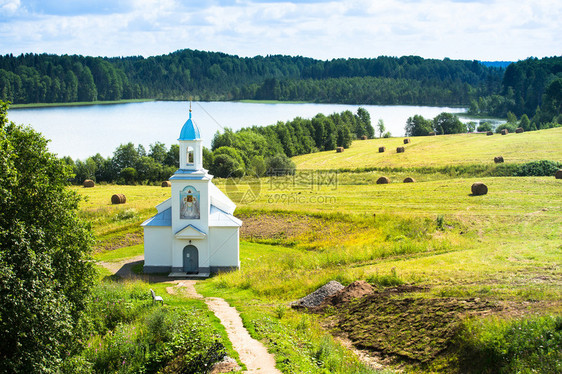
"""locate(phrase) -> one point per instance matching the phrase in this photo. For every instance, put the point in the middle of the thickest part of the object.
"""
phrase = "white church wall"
(157, 249)
(224, 253)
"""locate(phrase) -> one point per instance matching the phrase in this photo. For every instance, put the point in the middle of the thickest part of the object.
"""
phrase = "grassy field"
(504, 248)
(444, 150)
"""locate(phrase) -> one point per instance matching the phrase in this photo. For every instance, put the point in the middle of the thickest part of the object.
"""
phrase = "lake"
(83, 131)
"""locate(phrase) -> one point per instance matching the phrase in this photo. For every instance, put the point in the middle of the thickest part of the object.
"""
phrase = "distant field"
(443, 150)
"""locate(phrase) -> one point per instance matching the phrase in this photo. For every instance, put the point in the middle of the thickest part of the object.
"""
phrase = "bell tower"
(191, 146)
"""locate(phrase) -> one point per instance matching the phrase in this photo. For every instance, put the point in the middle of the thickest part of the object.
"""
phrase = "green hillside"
(438, 151)
(430, 249)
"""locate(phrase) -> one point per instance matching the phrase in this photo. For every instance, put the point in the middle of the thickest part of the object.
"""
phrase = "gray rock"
(317, 297)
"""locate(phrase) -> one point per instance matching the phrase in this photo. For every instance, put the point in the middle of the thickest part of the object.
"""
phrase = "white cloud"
(489, 30)
(9, 7)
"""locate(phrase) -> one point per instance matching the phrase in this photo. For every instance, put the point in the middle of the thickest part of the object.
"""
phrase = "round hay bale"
(166, 184)
(400, 150)
(89, 183)
(118, 198)
(433, 133)
(489, 133)
(479, 188)
(364, 137)
(519, 130)
(558, 174)
(498, 160)
(505, 131)
(382, 149)
(406, 141)
(339, 149)
(409, 180)
(383, 180)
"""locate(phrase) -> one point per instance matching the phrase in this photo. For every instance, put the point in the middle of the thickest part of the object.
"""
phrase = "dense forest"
(43, 78)
(254, 151)
(531, 87)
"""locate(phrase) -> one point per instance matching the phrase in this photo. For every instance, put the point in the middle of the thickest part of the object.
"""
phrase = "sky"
(495, 30)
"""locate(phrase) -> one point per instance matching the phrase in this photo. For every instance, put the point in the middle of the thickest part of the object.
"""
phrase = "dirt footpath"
(252, 353)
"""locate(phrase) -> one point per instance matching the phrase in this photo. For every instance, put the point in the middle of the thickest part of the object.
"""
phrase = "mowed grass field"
(510, 235)
(504, 247)
(442, 150)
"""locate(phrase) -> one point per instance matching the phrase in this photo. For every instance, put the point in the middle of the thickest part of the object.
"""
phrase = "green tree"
(45, 272)
(129, 175)
(149, 170)
(511, 118)
(225, 166)
(447, 123)
(418, 126)
(381, 127)
(257, 166)
(173, 156)
(473, 109)
(365, 119)
(85, 170)
(525, 123)
(158, 152)
(125, 156)
(484, 127)
(553, 98)
(207, 158)
(279, 164)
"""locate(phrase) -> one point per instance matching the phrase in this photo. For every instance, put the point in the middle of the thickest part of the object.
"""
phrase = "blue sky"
(459, 29)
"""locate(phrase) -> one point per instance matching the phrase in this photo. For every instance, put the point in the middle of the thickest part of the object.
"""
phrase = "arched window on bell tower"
(190, 156)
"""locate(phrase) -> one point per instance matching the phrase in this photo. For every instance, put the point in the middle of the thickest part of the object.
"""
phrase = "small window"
(190, 155)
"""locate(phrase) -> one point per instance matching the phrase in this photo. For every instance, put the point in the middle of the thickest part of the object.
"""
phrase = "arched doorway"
(190, 259)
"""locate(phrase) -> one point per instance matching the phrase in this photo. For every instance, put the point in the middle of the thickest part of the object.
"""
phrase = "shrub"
(127, 214)
(542, 168)
(130, 335)
(225, 166)
(279, 164)
(509, 126)
(511, 346)
(484, 127)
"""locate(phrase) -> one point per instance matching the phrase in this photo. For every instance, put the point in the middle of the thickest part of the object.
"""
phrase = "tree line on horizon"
(253, 151)
(44, 78)
(532, 87)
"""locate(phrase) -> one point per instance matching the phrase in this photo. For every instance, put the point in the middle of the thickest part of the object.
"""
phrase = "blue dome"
(189, 131)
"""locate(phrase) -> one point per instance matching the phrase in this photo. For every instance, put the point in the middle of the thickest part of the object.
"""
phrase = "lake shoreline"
(245, 101)
(80, 131)
(78, 103)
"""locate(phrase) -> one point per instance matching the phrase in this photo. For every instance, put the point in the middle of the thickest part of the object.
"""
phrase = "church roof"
(217, 218)
(220, 218)
(189, 131)
(220, 200)
(190, 232)
(163, 218)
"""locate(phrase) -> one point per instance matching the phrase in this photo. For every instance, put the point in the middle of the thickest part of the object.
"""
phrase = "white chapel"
(194, 232)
